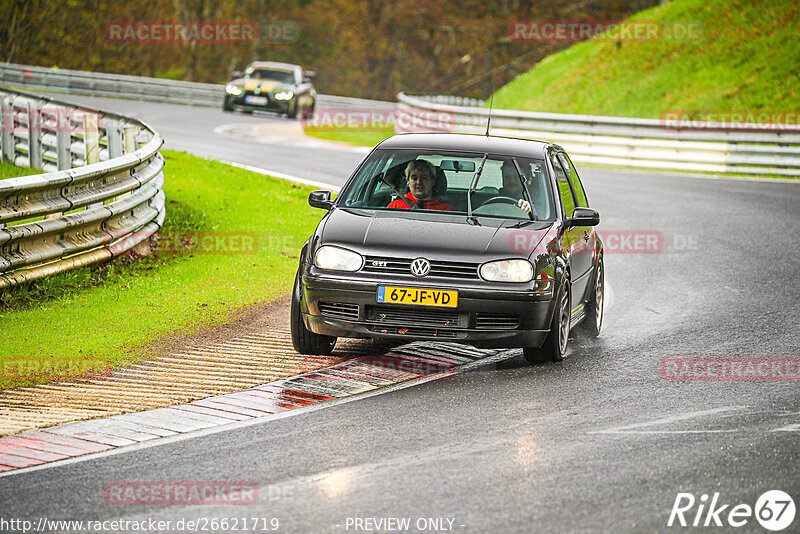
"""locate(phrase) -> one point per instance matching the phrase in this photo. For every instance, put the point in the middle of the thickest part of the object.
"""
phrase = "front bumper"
(271, 105)
(485, 316)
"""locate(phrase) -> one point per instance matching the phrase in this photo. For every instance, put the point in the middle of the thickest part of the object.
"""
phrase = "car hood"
(434, 235)
(266, 86)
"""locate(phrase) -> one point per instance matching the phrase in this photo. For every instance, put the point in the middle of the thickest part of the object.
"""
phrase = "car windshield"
(282, 76)
(382, 184)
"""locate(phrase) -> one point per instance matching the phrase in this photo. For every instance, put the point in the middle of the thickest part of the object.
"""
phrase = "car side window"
(564, 189)
(575, 181)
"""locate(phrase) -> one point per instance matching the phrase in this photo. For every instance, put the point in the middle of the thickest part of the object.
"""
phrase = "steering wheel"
(501, 200)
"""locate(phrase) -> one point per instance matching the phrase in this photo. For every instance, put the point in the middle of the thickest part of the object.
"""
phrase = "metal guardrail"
(101, 84)
(628, 142)
(102, 197)
(143, 88)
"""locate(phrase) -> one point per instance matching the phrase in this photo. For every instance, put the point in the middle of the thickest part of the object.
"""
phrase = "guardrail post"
(7, 111)
(114, 133)
(116, 143)
(129, 138)
(34, 136)
(91, 139)
(91, 144)
(63, 139)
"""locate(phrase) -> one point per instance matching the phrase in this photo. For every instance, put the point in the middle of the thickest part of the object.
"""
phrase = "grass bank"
(230, 239)
(742, 55)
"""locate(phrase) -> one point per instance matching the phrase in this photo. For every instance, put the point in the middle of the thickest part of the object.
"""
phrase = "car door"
(575, 240)
(588, 233)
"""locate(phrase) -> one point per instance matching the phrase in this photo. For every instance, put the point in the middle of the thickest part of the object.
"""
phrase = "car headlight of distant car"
(284, 95)
(233, 90)
(337, 259)
(507, 271)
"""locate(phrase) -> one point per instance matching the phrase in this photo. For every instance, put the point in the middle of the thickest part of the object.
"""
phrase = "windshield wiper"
(383, 179)
(471, 190)
(532, 214)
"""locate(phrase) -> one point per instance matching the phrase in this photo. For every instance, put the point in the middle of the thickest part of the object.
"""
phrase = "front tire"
(555, 344)
(304, 340)
(292, 110)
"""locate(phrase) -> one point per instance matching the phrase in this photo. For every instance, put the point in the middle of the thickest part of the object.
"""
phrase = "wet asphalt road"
(599, 442)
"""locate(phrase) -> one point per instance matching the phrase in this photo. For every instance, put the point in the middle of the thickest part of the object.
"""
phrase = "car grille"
(413, 317)
(496, 321)
(414, 331)
(443, 269)
(339, 310)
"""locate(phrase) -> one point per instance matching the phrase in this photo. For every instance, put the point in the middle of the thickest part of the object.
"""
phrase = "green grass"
(352, 136)
(7, 170)
(94, 318)
(748, 58)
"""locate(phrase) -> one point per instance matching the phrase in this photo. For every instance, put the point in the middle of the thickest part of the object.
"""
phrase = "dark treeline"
(367, 48)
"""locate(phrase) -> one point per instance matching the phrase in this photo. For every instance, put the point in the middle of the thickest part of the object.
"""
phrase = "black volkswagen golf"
(462, 238)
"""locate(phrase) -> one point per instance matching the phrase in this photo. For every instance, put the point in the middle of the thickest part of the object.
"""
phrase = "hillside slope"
(747, 58)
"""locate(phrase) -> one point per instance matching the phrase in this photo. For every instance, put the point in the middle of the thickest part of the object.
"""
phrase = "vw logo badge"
(420, 267)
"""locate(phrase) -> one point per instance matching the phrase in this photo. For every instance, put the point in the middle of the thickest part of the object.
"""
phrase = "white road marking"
(639, 428)
(794, 427)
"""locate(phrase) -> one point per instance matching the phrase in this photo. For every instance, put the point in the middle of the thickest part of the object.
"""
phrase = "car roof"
(465, 142)
(274, 64)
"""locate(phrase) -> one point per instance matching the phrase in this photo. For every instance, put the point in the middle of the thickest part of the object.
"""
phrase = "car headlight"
(507, 271)
(233, 90)
(284, 95)
(337, 259)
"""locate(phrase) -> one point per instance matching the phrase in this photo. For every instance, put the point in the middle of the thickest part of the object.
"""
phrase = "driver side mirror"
(583, 217)
(320, 199)
(236, 74)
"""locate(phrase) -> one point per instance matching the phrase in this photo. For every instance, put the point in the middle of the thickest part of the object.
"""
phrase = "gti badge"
(420, 267)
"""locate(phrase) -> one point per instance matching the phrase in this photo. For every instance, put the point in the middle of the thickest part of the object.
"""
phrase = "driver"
(423, 193)
(512, 185)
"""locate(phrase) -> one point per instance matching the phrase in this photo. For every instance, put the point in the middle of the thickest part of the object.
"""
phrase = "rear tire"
(555, 344)
(304, 340)
(594, 309)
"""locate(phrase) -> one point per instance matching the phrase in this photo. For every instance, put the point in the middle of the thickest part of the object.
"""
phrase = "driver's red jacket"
(434, 204)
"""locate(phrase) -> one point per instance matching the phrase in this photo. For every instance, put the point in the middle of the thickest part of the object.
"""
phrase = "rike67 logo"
(774, 510)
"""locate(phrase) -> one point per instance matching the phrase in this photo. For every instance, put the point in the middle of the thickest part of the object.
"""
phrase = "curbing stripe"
(220, 405)
(356, 375)
(229, 416)
(77, 443)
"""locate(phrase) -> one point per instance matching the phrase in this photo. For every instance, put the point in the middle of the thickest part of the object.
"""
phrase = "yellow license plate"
(418, 296)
